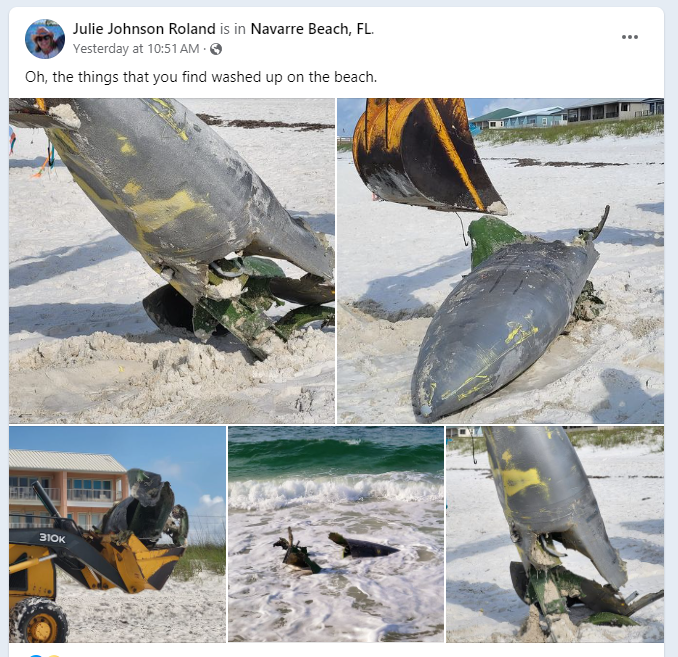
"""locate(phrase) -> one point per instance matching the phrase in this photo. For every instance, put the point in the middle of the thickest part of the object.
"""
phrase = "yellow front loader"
(97, 560)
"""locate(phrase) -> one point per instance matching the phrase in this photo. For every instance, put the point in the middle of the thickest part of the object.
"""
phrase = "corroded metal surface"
(419, 151)
(544, 492)
(497, 322)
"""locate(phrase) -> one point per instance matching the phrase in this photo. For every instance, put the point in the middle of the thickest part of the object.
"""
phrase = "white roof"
(543, 111)
(28, 459)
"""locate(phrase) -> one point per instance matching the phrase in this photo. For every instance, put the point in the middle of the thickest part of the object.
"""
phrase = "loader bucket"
(419, 151)
(140, 567)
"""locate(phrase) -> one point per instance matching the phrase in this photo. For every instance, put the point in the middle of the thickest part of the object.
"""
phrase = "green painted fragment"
(539, 591)
(204, 323)
(301, 316)
(608, 618)
(245, 322)
(249, 266)
(488, 235)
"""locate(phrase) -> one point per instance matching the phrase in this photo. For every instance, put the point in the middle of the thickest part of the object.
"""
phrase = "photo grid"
(454, 435)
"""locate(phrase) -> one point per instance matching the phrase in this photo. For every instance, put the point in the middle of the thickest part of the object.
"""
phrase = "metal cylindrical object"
(172, 187)
(544, 491)
(45, 499)
(497, 322)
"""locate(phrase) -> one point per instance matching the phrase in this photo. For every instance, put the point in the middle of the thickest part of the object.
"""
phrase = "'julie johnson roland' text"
(187, 28)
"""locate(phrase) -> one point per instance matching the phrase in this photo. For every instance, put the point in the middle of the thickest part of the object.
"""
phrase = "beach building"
(537, 118)
(599, 109)
(82, 486)
(464, 432)
(492, 120)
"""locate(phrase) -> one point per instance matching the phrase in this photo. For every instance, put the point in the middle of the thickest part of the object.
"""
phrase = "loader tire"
(37, 620)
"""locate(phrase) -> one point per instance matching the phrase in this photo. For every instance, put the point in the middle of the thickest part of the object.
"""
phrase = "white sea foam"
(397, 597)
(276, 494)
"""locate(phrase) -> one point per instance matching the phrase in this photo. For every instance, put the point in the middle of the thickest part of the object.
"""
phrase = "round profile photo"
(45, 39)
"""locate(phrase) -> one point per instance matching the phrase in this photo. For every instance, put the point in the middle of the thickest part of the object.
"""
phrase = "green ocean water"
(264, 453)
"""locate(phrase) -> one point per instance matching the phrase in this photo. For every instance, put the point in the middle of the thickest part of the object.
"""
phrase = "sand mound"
(104, 378)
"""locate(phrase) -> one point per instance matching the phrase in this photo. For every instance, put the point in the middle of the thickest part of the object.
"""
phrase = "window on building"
(28, 519)
(544, 121)
(45, 520)
(90, 489)
(493, 124)
(96, 519)
(624, 107)
(82, 520)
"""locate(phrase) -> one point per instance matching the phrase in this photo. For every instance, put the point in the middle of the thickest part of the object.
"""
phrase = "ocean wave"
(270, 495)
(312, 458)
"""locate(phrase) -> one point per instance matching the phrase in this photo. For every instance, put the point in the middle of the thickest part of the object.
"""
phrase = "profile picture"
(45, 39)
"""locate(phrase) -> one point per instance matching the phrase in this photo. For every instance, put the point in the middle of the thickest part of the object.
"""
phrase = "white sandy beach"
(182, 612)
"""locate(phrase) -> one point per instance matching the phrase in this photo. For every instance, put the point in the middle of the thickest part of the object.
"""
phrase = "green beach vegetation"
(604, 438)
(572, 132)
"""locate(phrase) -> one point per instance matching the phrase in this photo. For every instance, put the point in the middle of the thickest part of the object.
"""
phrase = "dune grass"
(205, 558)
(565, 134)
(616, 436)
(587, 436)
(343, 146)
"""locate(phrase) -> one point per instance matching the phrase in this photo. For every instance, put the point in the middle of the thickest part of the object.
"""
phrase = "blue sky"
(192, 459)
(350, 109)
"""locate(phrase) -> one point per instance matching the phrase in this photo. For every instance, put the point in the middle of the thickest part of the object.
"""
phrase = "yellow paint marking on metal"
(167, 115)
(108, 204)
(484, 381)
(451, 151)
(514, 332)
(132, 188)
(433, 390)
(149, 215)
(519, 330)
(516, 480)
(155, 213)
(507, 456)
(40, 102)
(128, 149)
(61, 138)
(524, 336)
